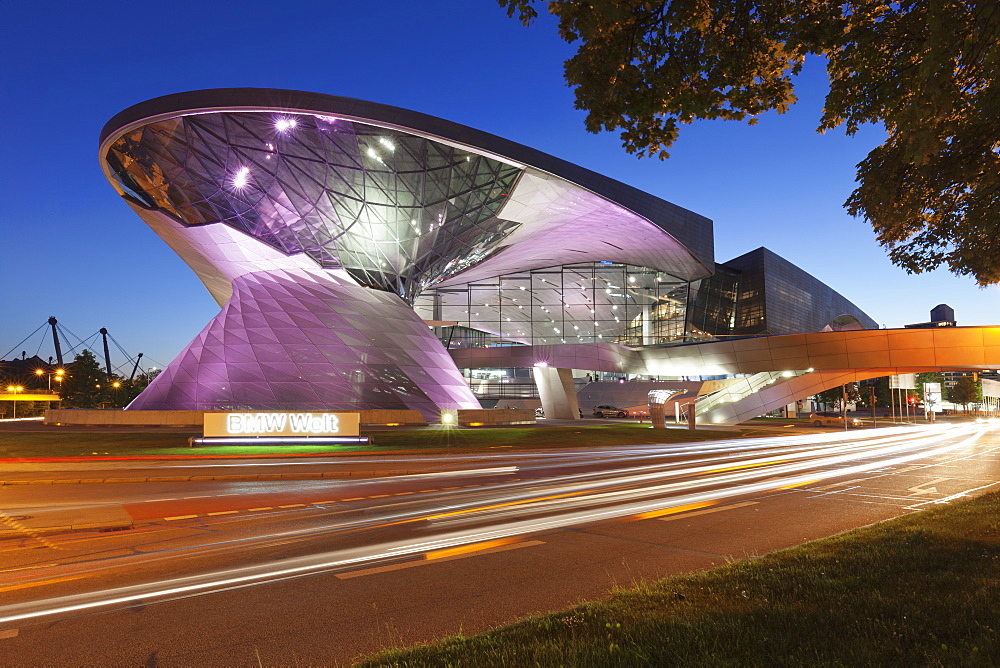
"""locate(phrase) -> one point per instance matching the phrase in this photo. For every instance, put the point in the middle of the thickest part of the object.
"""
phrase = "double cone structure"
(316, 222)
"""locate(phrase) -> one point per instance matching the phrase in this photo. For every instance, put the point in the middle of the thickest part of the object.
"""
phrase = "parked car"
(832, 419)
(609, 411)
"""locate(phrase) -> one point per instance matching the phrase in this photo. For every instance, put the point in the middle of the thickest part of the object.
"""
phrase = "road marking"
(316, 503)
(180, 517)
(706, 511)
(378, 496)
(357, 498)
(951, 498)
(253, 510)
(926, 488)
(9, 633)
(402, 493)
(800, 484)
(204, 496)
(426, 491)
(25, 585)
(293, 505)
(469, 549)
(427, 560)
(671, 511)
(223, 512)
(444, 489)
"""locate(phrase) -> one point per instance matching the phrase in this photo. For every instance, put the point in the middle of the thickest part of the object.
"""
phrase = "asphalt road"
(320, 571)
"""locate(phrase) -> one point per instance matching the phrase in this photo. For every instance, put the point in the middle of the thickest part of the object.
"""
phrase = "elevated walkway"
(777, 370)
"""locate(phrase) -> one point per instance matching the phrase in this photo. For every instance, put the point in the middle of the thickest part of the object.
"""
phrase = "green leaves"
(924, 69)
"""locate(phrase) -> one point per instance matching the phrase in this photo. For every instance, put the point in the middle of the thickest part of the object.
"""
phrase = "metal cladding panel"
(275, 346)
(777, 297)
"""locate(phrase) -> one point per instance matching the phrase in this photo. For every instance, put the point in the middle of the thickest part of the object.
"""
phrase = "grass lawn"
(14, 444)
(921, 590)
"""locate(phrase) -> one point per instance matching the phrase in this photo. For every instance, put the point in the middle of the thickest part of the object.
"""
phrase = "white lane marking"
(152, 500)
(846, 482)
(951, 498)
(682, 516)
(927, 487)
(9, 633)
(204, 496)
(423, 562)
(180, 517)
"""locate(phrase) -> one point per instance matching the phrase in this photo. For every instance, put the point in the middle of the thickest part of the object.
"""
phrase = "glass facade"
(756, 294)
(591, 302)
(399, 212)
(712, 304)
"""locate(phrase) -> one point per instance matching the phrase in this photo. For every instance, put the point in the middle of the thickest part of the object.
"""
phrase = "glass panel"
(399, 212)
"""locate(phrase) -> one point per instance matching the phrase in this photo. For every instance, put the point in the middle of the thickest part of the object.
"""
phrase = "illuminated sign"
(282, 424)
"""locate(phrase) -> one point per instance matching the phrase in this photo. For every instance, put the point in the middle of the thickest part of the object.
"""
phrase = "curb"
(203, 478)
(100, 527)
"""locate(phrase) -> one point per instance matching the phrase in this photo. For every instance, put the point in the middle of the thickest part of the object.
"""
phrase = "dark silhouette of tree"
(965, 391)
(835, 395)
(85, 384)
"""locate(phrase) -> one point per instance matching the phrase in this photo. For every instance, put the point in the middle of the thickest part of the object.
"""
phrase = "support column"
(556, 390)
(647, 325)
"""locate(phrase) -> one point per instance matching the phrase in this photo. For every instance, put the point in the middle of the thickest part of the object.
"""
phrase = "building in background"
(942, 315)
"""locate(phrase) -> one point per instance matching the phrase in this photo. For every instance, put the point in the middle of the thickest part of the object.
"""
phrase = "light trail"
(516, 509)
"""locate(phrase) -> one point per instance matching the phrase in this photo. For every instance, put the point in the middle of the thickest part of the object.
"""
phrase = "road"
(322, 570)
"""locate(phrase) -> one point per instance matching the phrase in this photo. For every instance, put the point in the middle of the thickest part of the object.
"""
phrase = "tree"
(965, 391)
(85, 384)
(925, 69)
(835, 395)
(881, 385)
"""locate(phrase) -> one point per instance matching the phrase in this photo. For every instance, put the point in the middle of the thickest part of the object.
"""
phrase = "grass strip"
(15, 444)
(919, 590)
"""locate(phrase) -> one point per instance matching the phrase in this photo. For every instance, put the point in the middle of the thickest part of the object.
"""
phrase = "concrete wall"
(123, 418)
(482, 417)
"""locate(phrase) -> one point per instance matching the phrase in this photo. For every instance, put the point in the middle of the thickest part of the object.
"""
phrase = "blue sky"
(73, 250)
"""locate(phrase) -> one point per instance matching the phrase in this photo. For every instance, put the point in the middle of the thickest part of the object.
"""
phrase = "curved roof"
(186, 153)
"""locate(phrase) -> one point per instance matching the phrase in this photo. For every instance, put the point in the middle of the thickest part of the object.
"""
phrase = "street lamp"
(15, 389)
(58, 373)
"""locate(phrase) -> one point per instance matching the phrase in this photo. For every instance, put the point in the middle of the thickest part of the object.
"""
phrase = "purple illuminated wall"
(305, 339)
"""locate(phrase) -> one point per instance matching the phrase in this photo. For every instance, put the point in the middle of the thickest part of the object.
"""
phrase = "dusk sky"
(72, 249)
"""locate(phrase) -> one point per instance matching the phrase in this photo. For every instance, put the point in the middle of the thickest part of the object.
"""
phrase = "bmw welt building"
(364, 255)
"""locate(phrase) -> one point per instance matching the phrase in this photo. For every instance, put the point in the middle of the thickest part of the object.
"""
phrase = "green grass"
(137, 443)
(922, 590)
